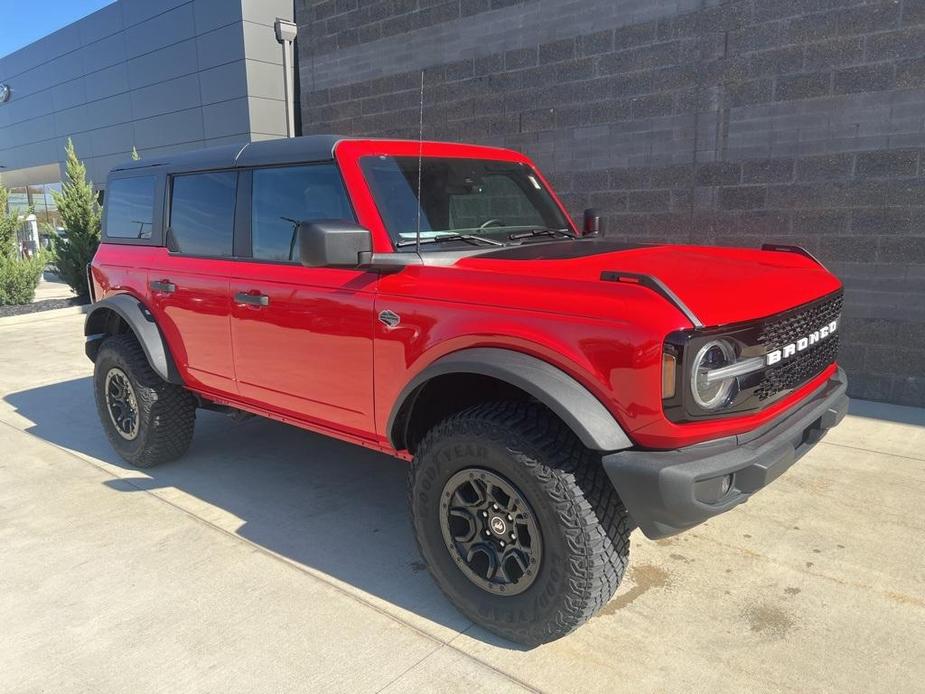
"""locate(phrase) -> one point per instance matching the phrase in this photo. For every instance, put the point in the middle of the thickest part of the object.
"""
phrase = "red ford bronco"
(551, 388)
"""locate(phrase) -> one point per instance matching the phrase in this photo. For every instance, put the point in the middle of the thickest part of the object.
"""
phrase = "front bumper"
(666, 492)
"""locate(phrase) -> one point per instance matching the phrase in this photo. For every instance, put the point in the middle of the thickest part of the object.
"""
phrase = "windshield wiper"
(471, 238)
(542, 232)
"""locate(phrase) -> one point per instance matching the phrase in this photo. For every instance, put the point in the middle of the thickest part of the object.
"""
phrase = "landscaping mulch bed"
(46, 305)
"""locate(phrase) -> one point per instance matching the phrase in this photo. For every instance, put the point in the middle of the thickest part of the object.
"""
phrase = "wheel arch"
(123, 313)
(468, 376)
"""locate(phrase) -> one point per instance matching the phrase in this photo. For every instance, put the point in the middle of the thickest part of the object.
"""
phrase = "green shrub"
(19, 278)
(80, 214)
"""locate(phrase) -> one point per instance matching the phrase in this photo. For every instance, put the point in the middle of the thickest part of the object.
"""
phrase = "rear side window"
(284, 196)
(202, 213)
(129, 207)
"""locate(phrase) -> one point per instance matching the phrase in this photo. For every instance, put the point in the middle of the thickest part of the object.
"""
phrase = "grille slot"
(803, 366)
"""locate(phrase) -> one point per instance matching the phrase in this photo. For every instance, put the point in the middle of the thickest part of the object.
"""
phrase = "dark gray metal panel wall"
(160, 75)
(799, 121)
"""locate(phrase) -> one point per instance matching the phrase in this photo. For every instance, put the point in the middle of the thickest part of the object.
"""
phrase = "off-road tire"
(584, 526)
(166, 412)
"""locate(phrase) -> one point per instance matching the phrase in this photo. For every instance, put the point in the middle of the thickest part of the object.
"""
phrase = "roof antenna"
(417, 237)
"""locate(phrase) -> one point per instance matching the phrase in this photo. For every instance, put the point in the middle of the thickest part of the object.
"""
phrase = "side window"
(129, 208)
(202, 213)
(286, 195)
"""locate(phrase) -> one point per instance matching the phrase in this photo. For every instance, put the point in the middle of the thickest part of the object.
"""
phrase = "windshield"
(485, 199)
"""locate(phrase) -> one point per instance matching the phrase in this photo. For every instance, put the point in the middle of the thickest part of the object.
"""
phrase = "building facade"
(695, 121)
(691, 121)
(156, 75)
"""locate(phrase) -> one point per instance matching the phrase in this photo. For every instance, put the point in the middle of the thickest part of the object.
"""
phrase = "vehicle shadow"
(899, 414)
(329, 506)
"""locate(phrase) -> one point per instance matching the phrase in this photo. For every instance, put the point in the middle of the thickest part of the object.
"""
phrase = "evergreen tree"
(9, 224)
(80, 215)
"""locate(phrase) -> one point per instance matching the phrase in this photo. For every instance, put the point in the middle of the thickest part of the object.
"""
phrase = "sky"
(21, 23)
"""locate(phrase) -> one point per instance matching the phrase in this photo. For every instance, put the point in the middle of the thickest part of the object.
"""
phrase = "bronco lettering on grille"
(802, 344)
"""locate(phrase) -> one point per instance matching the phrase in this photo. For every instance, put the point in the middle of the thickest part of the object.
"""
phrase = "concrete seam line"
(490, 667)
(410, 668)
(871, 450)
(450, 646)
(288, 562)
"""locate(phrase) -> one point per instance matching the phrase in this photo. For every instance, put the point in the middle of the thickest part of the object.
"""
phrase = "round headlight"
(713, 355)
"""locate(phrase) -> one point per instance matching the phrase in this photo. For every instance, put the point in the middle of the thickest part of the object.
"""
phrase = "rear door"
(302, 337)
(190, 289)
(131, 217)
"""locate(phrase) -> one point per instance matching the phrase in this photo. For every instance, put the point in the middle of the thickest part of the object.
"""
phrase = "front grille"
(803, 366)
(782, 330)
(798, 370)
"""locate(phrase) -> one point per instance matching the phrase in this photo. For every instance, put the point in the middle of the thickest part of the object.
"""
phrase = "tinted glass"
(129, 208)
(284, 196)
(471, 196)
(202, 213)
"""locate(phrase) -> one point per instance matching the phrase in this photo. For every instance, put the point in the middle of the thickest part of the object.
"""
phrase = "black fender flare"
(572, 402)
(141, 322)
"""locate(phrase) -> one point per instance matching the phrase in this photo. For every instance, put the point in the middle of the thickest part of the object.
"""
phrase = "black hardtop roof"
(281, 151)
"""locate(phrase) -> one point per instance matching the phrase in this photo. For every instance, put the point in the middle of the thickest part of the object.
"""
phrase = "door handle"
(163, 286)
(252, 299)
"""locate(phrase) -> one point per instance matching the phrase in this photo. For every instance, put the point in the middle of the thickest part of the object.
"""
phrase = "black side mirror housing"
(592, 223)
(333, 243)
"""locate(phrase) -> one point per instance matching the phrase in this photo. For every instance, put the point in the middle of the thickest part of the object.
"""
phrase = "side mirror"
(333, 243)
(592, 223)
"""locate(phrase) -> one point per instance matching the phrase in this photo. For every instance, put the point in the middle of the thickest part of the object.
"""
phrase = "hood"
(719, 285)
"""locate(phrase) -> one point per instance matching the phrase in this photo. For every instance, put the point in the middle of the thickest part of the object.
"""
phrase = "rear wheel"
(517, 521)
(147, 420)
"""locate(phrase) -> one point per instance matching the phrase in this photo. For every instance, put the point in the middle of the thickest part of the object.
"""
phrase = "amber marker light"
(669, 374)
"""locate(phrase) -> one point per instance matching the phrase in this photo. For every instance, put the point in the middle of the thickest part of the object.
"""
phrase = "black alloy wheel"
(121, 403)
(491, 531)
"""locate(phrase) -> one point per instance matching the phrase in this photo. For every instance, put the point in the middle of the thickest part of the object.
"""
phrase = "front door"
(302, 337)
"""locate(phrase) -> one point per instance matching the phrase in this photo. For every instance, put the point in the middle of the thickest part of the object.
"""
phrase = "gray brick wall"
(339, 24)
(700, 121)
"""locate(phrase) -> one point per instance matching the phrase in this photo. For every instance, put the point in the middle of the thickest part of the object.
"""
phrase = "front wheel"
(517, 521)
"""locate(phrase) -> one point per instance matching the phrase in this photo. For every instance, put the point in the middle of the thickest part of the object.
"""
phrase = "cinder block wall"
(701, 121)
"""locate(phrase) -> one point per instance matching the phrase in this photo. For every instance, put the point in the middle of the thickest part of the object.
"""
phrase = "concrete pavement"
(51, 287)
(272, 559)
